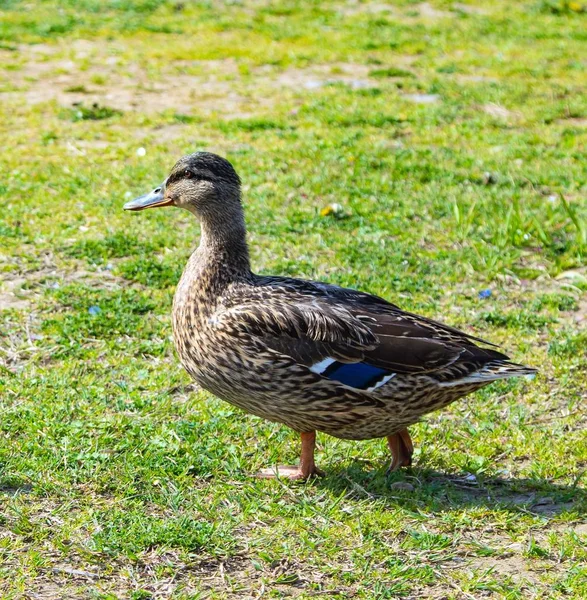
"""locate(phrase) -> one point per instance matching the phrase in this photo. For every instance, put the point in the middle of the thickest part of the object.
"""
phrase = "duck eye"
(188, 175)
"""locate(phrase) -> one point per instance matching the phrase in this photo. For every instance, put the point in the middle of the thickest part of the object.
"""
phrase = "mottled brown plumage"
(307, 354)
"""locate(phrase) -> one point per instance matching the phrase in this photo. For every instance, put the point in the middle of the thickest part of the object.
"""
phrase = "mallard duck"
(310, 355)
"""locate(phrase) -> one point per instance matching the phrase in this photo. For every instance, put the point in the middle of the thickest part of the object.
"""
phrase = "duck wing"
(353, 338)
(311, 325)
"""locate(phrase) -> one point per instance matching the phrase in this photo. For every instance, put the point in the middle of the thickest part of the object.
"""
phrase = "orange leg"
(402, 448)
(307, 467)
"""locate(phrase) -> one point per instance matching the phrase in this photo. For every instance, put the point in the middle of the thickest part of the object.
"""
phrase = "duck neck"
(223, 242)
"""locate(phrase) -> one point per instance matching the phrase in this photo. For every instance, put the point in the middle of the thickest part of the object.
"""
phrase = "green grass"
(452, 136)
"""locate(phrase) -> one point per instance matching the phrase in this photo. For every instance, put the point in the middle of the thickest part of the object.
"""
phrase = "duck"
(310, 355)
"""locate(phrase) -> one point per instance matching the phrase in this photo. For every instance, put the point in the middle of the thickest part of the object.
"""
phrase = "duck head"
(201, 183)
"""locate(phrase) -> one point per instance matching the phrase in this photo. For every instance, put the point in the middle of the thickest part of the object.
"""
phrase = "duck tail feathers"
(505, 369)
(492, 371)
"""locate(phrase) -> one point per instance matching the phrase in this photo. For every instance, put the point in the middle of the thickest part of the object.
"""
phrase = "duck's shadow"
(429, 490)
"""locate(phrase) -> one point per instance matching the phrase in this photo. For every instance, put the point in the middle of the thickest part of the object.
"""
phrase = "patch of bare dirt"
(167, 133)
(515, 567)
(44, 589)
(461, 78)
(12, 301)
(89, 76)
(575, 121)
(422, 98)
(101, 278)
(469, 9)
(428, 11)
(181, 93)
(15, 291)
(498, 111)
(423, 10)
(353, 75)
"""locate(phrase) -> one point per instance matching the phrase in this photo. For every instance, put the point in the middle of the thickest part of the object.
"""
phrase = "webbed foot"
(305, 470)
(290, 472)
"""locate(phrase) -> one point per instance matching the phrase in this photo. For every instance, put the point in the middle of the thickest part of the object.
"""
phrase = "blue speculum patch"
(357, 375)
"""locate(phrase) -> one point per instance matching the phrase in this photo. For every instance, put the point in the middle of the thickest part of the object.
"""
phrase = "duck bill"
(150, 200)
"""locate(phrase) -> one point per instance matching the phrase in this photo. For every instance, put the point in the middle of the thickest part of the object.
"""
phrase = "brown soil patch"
(469, 9)
(423, 10)
(576, 121)
(353, 75)
(497, 111)
(12, 301)
(428, 11)
(515, 567)
(475, 79)
(89, 76)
